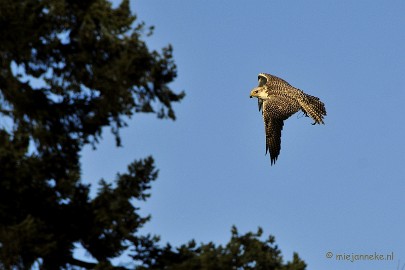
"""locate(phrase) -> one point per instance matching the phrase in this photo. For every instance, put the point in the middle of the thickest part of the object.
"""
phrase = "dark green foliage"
(36, 221)
(69, 68)
(241, 252)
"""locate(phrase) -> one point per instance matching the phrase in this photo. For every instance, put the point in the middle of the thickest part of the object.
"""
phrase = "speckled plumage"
(278, 100)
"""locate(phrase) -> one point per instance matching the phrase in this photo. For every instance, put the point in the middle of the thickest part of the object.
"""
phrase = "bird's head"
(258, 92)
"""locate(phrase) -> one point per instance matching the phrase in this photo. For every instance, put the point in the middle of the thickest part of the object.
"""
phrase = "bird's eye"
(256, 91)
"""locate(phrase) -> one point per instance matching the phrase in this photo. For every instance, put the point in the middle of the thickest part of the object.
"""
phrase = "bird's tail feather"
(313, 107)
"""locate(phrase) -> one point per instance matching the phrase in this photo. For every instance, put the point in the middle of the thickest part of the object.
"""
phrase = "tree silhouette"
(246, 251)
(69, 68)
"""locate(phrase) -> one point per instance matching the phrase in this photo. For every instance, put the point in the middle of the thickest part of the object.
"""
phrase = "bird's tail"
(313, 107)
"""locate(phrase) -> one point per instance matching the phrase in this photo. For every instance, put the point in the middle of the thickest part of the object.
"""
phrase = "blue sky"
(339, 187)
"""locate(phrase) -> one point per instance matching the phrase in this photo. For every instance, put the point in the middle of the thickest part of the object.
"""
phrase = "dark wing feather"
(274, 80)
(273, 127)
(260, 103)
(262, 80)
(273, 138)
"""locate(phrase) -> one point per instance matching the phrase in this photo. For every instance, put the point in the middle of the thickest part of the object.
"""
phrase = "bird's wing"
(273, 127)
(272, 81)
(260, 103)
(310, 105)
(262, 79)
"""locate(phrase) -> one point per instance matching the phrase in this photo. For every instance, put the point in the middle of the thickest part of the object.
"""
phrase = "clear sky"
(339, 187)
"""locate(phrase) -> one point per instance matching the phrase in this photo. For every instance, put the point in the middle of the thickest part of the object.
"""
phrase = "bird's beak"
(252, 93)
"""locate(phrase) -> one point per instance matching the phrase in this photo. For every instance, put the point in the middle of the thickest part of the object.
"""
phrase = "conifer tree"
(68, 69)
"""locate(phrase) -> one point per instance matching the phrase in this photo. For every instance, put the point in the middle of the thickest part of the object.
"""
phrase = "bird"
(277, 101)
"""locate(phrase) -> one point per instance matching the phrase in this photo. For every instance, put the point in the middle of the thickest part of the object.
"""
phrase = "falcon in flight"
(278, 100)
